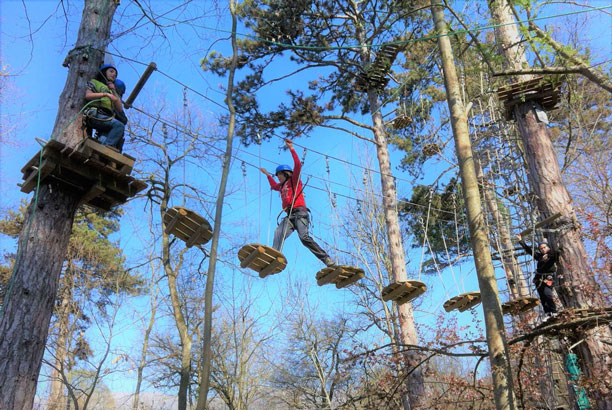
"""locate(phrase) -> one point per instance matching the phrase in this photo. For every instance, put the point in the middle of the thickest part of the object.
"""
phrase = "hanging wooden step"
(519, 305)
(542, 90)
(462, 302)
(402, 292)
(262, 259)
(187, 225)
(540, 224)
(401, 122)
(340, 275)
(102, 184)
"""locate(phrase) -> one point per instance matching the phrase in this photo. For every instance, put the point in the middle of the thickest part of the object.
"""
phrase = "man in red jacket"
(292, 196)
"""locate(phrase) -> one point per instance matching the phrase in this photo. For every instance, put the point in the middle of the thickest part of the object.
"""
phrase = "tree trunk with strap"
(30, 297)
(578, 288)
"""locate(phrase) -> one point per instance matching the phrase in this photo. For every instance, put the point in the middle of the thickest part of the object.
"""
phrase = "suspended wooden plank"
(262, 259)
(340, 275)
(462, 302)
(187, 225)
(541, 224)
(101, 185)
(519, 305)
(401, 121)
(402, 292)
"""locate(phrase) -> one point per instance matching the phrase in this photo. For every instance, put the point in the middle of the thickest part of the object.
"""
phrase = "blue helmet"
(105, 67)
(120, 86)
(282, 168)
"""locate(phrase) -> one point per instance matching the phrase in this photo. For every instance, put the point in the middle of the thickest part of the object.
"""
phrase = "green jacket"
(105, 103)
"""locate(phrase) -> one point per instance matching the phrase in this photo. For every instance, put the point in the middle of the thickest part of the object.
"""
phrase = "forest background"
(343, 193)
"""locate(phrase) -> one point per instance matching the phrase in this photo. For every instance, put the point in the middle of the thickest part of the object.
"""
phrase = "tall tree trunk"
(212, 264)
(57, 399)
(145, 342)
(179, 318)
(407, 330)
(496, 340)
(517, 284)
(579, 288)
(43, 242)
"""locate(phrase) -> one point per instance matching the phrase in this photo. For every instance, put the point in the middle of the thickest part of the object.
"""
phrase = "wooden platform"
(376, 74)
(341, 275)
(541, 90)
(402, 292)
(519, 305)
(462, 302)
(262, 259)
(99, 174)
(187, 225)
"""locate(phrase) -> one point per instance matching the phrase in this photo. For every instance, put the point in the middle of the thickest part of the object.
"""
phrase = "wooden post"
(496, 340)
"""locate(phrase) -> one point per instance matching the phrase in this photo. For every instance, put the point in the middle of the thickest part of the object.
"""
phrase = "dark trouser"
(298, 221)
(545, 291)
(110, 130)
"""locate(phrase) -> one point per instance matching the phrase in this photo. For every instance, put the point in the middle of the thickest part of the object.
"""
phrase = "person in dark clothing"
(545, 272)
(292, 197)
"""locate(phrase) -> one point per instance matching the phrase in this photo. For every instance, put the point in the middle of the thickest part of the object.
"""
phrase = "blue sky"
(37, 75)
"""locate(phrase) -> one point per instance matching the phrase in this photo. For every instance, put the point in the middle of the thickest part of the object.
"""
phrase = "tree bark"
(212, 264)
(517, 284)
(578, 288)
(496, 340)
(179, 318)
(43, 242)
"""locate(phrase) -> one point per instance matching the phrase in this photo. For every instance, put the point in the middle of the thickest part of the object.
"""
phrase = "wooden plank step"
(401, 121)
(402, 292)
(519, 305)
(187, 225)
(262, 259)
(340, 275)
(541, 224)
(462, 302)
(116, 160)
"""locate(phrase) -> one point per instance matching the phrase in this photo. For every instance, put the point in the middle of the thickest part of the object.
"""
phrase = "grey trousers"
(299, 220)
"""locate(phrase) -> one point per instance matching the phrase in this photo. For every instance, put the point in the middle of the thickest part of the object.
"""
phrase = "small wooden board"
(340, 275)
(402, 292)
(187, 225)
(262, 259)
(519, 305)
(99, 184)
(401, 121)
(462, 302)
(107, 156)
(540, 224)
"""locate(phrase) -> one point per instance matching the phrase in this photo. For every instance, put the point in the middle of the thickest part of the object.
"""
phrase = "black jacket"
(544, 266)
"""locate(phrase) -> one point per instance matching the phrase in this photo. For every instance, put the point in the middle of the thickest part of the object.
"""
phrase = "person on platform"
(105, 109)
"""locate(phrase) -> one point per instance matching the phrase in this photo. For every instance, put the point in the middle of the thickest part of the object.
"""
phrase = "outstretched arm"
(524, 245)
(273, 184)
(297, 165)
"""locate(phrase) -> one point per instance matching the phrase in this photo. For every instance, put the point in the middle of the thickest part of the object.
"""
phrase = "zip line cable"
(234, 156)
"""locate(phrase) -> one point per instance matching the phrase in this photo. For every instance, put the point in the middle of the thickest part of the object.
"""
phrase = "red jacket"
(287, 189)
